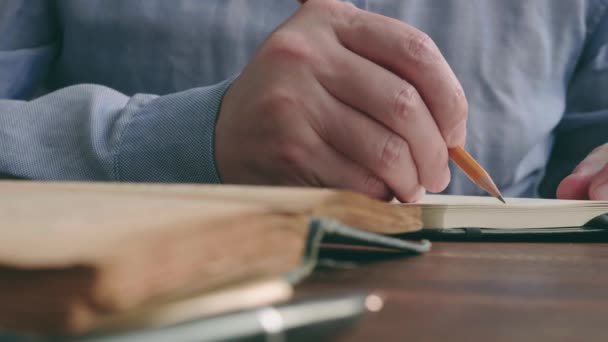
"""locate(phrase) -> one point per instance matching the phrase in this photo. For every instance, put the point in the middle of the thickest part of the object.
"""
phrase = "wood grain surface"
(480, 292)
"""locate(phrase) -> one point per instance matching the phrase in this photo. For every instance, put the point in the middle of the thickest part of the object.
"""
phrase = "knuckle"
(374, 187)
(404, 101)
(411, 193)
(318, 3)
(288, 46)
(351, 17)
(392, 151)
(335, 9)
(290, 153)
(341, 12)
(415, 194)
(277, 100)
(422, 47)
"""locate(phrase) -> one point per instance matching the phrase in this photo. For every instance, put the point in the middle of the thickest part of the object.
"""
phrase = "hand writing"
(341, 97)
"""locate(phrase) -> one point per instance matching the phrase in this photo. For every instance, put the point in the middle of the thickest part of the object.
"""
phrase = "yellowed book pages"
(85, 255)
(74, 254)
(347, 207)
(246, 295)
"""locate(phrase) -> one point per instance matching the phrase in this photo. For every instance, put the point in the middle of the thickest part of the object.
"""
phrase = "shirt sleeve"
(91, 132)
(585, 123)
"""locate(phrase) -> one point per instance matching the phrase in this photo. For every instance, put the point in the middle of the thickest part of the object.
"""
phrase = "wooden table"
(481, 292)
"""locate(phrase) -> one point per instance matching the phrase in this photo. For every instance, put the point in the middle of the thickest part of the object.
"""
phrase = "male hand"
(589, 180)
(340, 97)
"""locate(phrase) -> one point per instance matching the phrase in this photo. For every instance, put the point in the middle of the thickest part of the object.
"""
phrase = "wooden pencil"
(474, 171)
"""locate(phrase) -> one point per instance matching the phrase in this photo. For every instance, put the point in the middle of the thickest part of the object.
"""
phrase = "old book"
(347, 207)
(80, 257)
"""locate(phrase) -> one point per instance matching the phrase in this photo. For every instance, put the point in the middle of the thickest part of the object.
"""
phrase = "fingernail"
(447, 178)
(442, 182)
(420, 192)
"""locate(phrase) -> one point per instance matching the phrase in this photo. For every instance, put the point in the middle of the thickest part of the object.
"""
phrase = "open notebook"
(467, 218)
(441, 211)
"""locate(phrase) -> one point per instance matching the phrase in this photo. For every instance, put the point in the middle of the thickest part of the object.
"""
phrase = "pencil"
(474, 171)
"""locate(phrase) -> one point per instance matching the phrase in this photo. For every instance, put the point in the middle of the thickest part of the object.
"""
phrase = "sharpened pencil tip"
(500, 198)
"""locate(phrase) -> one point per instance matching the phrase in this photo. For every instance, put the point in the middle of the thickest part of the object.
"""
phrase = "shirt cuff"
(170, 138)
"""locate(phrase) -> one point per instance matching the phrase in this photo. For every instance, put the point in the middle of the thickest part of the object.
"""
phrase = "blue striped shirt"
(119, 90)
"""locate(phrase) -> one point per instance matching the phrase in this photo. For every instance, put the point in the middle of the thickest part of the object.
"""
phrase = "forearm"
(90, 132)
